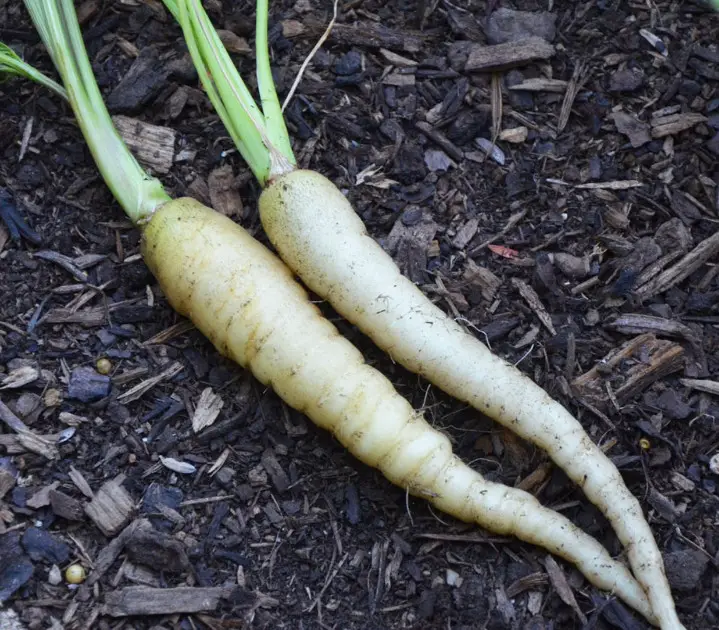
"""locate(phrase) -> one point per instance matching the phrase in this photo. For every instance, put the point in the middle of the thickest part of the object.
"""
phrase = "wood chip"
(397, 60)
(142, 388)
(516, 135)
(559, 581)
(702, 385)
(465, 234)
(224, 192)
(144, 600)
(180, 328)
(639, 323)
(111, 508)
(27, 439)
(613, 185)
(109, 554)
(631, 368)
(155, 549)
(399, 79)
(80, 482)
(636, 130)
(279, 477)
(42, 497)
(234, 43)
(7, 482)
(154, 146)
(369, 35)
(541, 85)
(531, 297)
(508, 55)
(481, 278)
(20, 377)
(704, 251)
(207, 410)
(66, 507)
(675, 123)
(4, 237)
(536, 478)
(576, 83)
(90, 318)
(437, 136)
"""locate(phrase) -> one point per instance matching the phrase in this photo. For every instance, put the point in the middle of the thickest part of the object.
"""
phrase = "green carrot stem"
(10, 63)
(265, 147)
(225, 88)
(271, 107)
(138, 193)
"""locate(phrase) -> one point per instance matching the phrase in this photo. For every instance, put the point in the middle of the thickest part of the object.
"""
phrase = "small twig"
(497, 106)
(511, 222)
(328, 580)
(306, 62)
(579, 78)
(190, 502)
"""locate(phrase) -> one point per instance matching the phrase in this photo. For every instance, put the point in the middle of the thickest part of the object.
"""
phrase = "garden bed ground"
(583, 248)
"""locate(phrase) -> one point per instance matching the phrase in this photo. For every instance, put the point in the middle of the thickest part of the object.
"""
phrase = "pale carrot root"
(317, 234)
(214, 272)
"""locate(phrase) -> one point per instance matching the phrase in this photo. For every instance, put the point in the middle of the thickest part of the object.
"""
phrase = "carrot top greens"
(259, 134)
(10, 63)
(56, 22)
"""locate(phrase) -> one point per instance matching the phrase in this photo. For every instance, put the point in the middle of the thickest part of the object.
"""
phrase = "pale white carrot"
(246, 302)
(317, 234)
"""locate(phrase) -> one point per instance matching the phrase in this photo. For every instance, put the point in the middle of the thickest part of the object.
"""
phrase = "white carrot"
(327, 245)
(319, 236)
(245, 300)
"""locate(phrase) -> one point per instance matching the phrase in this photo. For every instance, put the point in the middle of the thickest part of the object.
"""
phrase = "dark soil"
(301, 534)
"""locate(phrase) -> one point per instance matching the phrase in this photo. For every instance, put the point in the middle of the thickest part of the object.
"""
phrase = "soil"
(552, 248)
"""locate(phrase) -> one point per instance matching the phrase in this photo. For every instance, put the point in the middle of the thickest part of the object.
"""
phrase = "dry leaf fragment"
(208, 408)
(219, 462)
(20, 377)
(655, 42)
(501, 250)
(491, 149)
(224, 192)
(516, 135)
(292, 28)
(636, 130)
(175, 465)
(397, 60)
(234, 43)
